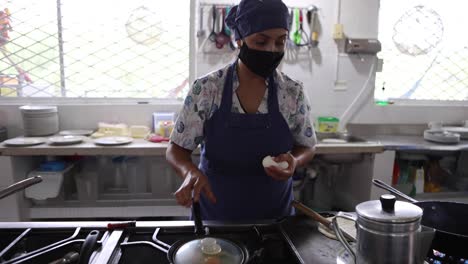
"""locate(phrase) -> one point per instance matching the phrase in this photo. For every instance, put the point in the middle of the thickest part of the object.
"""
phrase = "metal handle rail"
(15, 187)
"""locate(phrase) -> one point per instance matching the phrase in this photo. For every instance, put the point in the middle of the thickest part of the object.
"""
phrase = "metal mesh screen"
(94, 49)
(424, 50)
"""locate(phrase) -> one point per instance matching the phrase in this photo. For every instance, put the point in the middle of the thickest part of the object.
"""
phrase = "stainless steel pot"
(388, 231)
(447, 218)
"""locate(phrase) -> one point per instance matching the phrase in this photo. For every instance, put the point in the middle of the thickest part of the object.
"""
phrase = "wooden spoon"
(317, 217)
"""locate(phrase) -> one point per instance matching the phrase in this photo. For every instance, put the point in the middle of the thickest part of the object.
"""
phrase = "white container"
(50, 186)
(86, 180)
(39, 120)
(164, 182)
(163, 123)
(139, 131)
(86, 186)
(137, 175)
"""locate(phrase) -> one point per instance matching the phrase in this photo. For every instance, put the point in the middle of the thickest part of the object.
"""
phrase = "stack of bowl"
(39, 120)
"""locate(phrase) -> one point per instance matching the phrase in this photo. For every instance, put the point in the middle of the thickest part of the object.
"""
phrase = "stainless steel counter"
(397, 142)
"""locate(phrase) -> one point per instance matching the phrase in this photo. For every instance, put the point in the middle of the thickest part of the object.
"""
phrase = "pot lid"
(389, 210)
(209, 250)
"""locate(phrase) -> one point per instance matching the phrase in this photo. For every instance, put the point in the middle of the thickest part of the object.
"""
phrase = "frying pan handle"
(389, 188)
(197, 217)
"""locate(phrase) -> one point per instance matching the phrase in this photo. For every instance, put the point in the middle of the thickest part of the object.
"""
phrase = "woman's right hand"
(198, 182)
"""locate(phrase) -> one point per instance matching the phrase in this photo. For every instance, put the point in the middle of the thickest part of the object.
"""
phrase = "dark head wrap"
(252, 16)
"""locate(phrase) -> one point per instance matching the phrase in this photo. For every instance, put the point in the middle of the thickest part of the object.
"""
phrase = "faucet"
(18, 186)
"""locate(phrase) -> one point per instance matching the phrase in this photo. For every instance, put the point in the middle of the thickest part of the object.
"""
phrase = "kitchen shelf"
(141, 147)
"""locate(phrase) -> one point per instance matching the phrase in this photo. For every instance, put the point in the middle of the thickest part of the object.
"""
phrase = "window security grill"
(94, 49)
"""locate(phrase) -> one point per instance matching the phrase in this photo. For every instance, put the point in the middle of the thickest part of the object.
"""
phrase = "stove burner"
(263, 246)
(40, 246)
(437, 257)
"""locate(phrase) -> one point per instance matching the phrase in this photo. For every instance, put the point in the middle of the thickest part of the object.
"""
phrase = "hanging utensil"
(222, 38)
(201, 32)
(289, 42)
(290, 46)
(312, 20)
(297, 33)
(230, 33)
(300, 36)
(212, 35)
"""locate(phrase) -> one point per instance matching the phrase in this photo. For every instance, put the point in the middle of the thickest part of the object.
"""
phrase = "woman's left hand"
(279, 173)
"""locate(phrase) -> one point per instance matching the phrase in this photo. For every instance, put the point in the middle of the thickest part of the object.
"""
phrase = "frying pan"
(448, 218)
(177, 252)
(177, 247)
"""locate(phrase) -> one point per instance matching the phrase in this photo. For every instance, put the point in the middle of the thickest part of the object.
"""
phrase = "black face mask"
(262, 63)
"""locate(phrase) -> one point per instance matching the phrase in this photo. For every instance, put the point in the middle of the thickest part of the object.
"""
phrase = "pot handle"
(396, 192)
(88, 247)
(339, 233)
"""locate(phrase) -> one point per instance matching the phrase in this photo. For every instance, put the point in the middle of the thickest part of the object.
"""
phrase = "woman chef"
(240, 114)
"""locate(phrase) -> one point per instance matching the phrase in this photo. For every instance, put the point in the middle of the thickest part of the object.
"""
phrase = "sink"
(339, 138)
(336, 138)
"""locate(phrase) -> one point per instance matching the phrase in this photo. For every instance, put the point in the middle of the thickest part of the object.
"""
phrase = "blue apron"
(231, 157)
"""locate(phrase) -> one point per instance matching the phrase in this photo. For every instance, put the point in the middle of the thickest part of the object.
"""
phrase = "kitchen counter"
(141, 147)
(400, 142)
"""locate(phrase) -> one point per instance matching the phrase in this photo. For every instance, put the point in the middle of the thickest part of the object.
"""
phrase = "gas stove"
(133, 242)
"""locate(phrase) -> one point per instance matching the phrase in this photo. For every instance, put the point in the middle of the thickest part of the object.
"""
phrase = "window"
(424, 49)
(94, 49)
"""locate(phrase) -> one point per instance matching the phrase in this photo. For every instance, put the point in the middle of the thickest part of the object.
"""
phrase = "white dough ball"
(283, 164)
(268, 162)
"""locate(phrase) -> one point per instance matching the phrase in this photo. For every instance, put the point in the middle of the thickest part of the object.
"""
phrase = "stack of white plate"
(39, 120)
(462, 131)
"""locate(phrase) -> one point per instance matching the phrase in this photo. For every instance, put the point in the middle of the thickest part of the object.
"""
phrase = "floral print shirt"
(204, 99)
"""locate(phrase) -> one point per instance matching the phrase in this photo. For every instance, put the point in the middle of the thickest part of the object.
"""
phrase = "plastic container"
(139, 131)
(327, 124)
(51, 185)
(163, 181)
(163, 123)
(137, 175)
(119, 183)
(86, 180)
(52, 166)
